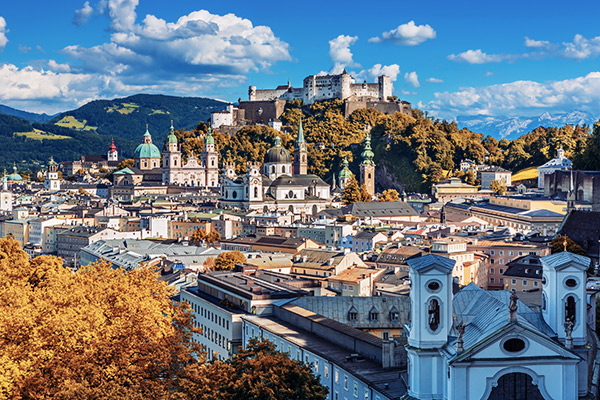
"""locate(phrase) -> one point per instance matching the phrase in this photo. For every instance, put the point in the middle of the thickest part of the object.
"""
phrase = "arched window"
(272, 169)
(255, 192)
(570, 309)
(283, 169)
(433, 311)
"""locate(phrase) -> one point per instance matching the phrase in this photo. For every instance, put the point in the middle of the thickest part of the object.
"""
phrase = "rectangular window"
(511, 253)
(493, 253)
(501, 252)
(385, 335)
(492, 280)
(326, 371)
(316, 365)
(346, 382)
(535, 283)
(524, 283)
(355, 391)
(514, 281)
(336, 376)
(491, 270)
(501, 270)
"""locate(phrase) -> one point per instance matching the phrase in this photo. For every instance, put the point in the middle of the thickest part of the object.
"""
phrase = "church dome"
(345, 172)
(15, 177)
(146, 149)
(278, 154)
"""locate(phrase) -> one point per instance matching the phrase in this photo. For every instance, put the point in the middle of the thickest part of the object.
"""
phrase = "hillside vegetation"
(411, 151)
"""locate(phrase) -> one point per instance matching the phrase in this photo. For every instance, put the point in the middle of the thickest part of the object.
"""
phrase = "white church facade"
(481, 344)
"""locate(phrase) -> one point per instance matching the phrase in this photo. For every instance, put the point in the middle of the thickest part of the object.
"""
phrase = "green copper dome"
(345, 172)
(209, 137)
(146, 149)
(278, 154)
(14, 176)
(171, 138)
(368, 154)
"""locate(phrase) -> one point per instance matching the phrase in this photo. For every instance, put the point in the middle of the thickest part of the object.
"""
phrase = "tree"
(497, 186)
(199, 235)
(226, 261)
(351, 192)
(99, 333)
(127, 163)
(209, 264)
(389, 195)
(558, 246)
(280, 376)
(213, 237)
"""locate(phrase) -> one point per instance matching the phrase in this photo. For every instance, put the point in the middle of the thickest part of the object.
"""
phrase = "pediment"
(494, 347)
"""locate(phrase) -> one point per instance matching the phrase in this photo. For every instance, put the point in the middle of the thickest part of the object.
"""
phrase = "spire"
(300, 133)
(112, 148)
(147, 132)
(368, 154)
(171, 138)
(209, 137)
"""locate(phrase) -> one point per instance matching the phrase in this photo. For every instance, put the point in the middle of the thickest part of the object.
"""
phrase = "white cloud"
(340, 54)
(56, 67)
(24, 49)
(83, 15)
(536, 44)
(434, 80)
(3, 31)
(408, 93)
(521, 97)
(581, 48)
(122, 14)
(489, 73)
(377, 70)
(407, 35)
(477, 57)
(412, 78)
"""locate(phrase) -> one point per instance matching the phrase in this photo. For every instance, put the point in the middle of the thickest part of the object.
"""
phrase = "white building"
(558, 163)
(484, 344)
(324, 87)
(492, 174)
(52, 181)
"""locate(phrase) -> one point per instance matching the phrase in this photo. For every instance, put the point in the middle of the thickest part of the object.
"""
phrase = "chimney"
(387, 354)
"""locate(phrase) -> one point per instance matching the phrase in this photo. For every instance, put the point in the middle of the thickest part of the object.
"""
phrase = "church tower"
(171, 159)
(345, 174)
(52, 182)
(367, 167)
(6, 195)
(300, 153)
(210, 159)
(430, 323)
(253, 182)
(113, 154)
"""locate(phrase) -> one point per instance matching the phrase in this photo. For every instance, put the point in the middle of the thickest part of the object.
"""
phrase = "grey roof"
(563, 259)
(337, 308)
(380, 209)
(486, 312)
(528, 266)
(299, 180)
(431, 261)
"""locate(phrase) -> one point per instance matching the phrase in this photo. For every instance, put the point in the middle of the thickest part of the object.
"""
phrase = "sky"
(510, 58)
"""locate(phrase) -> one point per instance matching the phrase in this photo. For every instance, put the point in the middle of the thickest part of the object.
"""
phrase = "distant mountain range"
(26, 115)
(513, 127)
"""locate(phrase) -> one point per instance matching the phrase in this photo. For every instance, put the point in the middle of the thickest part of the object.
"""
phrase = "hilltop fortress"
(264, 106)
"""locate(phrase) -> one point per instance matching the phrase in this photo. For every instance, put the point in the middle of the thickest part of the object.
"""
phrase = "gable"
(495, 347)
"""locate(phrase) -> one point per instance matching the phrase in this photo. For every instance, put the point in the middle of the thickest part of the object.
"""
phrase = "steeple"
(367, 166)
(300, 153)
(171, 138)
(147, 137)
(112, 154)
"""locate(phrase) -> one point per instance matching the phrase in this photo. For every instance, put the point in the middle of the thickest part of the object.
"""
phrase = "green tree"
(199, 235)
(352, 192)
(227, 261)
(127, 163)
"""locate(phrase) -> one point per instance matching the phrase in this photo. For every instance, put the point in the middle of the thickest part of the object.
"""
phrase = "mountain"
(513, 127)
(127, 117)
(26, 115)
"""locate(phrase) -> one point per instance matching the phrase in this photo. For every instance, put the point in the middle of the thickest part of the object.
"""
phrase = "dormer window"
(394, 314)
(373, 314)
(352, 314)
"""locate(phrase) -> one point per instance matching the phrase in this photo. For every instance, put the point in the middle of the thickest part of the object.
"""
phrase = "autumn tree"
(498, 187)
(100, 333)
(353, 192)
(280, 376)
(558, 246)
(389, 195)
(199, 235)
(227, 260)
(213, 237)
(127, 163)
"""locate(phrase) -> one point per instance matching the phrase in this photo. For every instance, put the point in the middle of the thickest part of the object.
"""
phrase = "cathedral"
(281, 183)
(150, 174)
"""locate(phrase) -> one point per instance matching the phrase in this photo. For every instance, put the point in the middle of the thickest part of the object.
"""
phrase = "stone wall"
(261, 112)
(384, 107)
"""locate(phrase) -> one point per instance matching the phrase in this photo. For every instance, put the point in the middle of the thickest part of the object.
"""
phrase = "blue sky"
(511, 58)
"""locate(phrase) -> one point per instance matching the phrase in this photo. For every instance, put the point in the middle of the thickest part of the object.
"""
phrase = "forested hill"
(411, 151)
(127, 117)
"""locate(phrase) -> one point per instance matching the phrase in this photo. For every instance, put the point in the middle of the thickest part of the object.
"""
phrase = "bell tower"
(300, 153)
(367, 167)
(52, 181)
(113, 154)
(430, 323)
(210, 160)
(171, 158)
(253, 182)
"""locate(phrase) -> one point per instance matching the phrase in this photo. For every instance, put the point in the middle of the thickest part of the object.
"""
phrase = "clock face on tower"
(255, 182)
